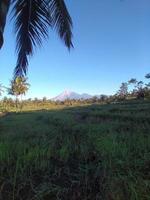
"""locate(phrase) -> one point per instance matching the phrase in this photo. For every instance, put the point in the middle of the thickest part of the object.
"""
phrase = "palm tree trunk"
(16, 103)
(4, 7)
(21, 103)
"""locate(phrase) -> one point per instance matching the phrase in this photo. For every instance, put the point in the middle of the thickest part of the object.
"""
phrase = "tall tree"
(147, 76)
(32, 19)
(18, 87)
(133, 82)
(123, 91)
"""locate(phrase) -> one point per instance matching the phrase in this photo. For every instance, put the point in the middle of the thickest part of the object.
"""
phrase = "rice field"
(94, 152)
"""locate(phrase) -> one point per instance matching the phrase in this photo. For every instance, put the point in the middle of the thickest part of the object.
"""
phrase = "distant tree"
(5, 103)
(44, 99)
(147, 86)
(140, 90)
(140, 84)
(94, 99)
(132, 81)
(1, 89)
(123, 91)
(18, 87)
(103, 97)
(8, 103)
(36, 101)
(29, 99)
(147, 76)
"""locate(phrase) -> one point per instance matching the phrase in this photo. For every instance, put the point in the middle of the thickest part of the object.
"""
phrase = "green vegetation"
(18, 87)
(81, 153)
(32, 20)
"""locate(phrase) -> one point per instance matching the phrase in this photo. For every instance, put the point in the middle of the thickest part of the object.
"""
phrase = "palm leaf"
(32, 20)
(4, 7)
(31, 25)
(61, 20)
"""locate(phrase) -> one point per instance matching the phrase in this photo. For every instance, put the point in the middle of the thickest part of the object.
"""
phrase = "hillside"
(71, 95)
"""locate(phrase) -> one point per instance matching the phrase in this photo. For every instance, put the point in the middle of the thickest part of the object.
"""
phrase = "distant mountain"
(71, 95)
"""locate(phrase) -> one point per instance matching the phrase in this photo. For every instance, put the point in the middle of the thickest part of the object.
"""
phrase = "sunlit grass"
(88, 153)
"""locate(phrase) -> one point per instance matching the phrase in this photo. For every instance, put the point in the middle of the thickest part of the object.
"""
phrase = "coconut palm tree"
(18, 87)
(32, 19)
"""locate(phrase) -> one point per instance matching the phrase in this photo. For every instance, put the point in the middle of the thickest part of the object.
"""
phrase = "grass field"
(95, 152)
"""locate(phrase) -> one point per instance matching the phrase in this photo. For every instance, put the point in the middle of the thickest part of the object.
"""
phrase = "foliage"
(147, 76)
(32, 20)
(18, 86)
(133, 89)
(132, 81)
(81, 153)
(4, 7)
(123, 90)
(140, 90)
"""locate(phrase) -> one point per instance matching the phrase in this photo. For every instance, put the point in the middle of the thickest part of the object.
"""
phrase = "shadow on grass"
(54, 154)
(45, 155)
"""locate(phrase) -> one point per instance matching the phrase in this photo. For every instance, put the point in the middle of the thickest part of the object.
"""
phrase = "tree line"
(132, 89)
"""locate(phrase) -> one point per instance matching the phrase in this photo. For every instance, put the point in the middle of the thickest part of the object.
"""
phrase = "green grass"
(95, 152)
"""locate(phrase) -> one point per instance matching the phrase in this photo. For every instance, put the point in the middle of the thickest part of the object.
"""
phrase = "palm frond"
(61, 20)
(32, 21)
(31, 25)
(4, 7)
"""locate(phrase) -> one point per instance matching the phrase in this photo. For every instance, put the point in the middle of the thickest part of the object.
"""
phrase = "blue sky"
(112, 45)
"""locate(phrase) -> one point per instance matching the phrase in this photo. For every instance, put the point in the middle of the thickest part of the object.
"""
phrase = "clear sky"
(112, 45)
